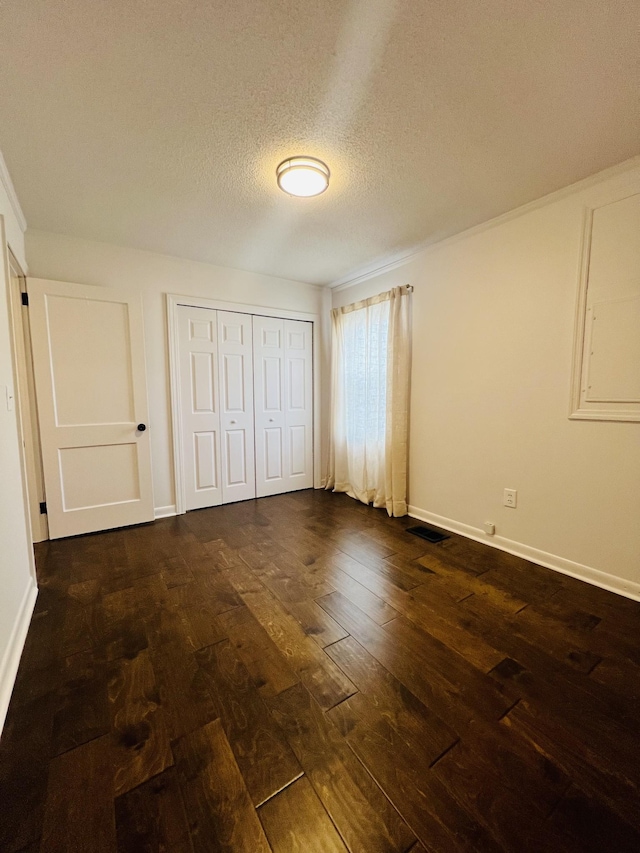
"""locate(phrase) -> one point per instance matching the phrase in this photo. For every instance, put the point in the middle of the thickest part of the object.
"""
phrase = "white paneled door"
(246, 405)
(235, 348)
(283, 377)
(88, 353)
(200, 414)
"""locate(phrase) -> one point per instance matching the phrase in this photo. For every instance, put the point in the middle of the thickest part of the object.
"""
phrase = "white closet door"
(235, 348)
(298, 354)
(200, 415)
(283, 352)
(89, 364)
(269, 375)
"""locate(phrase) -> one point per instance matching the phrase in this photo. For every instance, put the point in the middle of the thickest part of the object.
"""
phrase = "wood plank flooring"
(298, 673)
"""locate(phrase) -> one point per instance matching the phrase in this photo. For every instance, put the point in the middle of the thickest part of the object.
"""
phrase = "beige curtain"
(370, 370)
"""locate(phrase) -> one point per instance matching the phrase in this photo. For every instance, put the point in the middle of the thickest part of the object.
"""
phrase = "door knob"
(270, 420)
(233, 422)
(141, 427)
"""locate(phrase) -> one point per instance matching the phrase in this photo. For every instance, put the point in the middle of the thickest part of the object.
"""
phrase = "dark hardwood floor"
(298, 673)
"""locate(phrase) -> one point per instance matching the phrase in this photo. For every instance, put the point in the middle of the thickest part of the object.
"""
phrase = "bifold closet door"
(235, 348)
(199, 371)
(283, 377)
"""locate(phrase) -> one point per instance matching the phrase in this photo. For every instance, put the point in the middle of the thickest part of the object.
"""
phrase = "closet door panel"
(200, 416)
(284, 405)
(269, 380)
(235, 348)
(298, 354)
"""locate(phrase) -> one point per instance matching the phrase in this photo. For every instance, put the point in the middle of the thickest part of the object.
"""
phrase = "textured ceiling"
(158, 124)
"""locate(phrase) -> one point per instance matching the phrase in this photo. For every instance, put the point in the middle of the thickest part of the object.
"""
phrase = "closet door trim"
(173, 300)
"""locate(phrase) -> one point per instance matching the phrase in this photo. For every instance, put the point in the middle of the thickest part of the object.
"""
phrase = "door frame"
(27, 402)
(173, 300)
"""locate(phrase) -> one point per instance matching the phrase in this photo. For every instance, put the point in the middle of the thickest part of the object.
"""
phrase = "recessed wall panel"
(614, 353)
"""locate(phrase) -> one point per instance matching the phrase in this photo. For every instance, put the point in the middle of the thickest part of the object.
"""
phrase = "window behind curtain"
(365, 375)
(370, 362)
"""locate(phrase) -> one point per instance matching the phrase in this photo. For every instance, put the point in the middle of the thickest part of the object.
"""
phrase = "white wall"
(69, 259)
(16, 553)
(492, 352)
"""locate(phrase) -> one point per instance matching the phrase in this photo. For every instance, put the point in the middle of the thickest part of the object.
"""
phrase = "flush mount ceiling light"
(303, 176)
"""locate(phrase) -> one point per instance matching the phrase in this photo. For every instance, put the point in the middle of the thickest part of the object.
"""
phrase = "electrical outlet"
(510, 498)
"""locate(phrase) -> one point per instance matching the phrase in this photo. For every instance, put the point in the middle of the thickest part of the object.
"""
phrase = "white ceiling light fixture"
(303, 176)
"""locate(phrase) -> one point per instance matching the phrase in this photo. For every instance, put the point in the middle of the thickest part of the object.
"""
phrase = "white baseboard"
(11, 658)
(164, 511)
(613, 583)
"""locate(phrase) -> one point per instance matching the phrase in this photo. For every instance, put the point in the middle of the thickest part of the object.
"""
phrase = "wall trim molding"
(164, 511)
(392, 262)
(7, 183)
(13, 652)
(612, 583)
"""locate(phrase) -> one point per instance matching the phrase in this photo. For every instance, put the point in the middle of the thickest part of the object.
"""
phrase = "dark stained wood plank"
(440, 678)
(209, 588)
(82, 712)
(585, 763)
(295, 822)
(268, 668)
(402, 711)
(183, 691)
(262, 753)
(364, 817)
(360, 546)
(83, 629)
(564, 694)
(305, 545)
(174, 571)
(585, 825)
(316, 623)
(440, 822)
(79, 813)
(151, 818)
(434, 612)
(370, 603)
(24, 768)
(371, 578)
(479, 784)
(322, 678)
(201, 626)
(535, 628)
(140, 738)
(220, 812)
(84, 592)
(125, 633)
